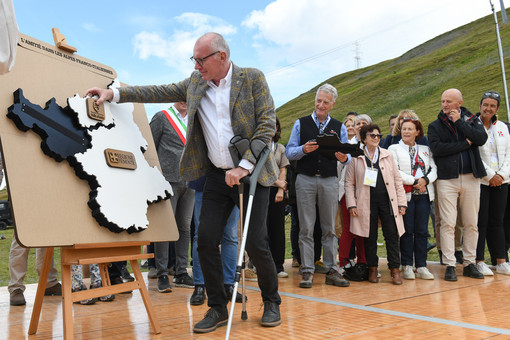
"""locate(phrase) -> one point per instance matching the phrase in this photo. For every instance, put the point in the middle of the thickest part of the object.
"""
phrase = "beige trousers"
(18, 263)
(459, 197)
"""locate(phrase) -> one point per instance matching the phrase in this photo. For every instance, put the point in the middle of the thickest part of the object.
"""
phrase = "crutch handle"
(253, 178)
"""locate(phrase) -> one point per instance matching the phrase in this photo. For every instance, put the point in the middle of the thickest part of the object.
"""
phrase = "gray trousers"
(312, 191)
(18, 264)
(182, 202)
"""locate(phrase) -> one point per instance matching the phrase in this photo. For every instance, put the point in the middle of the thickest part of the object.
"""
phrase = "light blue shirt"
(294, 149)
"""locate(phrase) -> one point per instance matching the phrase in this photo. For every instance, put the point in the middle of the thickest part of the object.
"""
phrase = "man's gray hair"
(218, 43)
(328, 88)
(364, 117)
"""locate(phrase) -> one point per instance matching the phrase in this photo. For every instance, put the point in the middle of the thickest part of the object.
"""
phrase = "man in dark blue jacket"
(454, 138)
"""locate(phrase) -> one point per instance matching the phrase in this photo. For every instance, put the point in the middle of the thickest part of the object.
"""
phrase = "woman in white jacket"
(495, 154)
(418, 172)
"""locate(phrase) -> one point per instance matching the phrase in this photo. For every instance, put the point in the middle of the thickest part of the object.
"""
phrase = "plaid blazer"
(251, 113)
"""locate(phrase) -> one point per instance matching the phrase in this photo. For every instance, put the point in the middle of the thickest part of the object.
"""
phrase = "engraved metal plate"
(95, 111)
(120, 159)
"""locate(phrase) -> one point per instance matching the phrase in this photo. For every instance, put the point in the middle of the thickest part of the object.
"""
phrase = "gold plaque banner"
(120, 159)
(95, 111)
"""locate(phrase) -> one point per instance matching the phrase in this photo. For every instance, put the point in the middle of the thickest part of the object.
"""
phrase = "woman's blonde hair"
(349, 119)
(398, 125)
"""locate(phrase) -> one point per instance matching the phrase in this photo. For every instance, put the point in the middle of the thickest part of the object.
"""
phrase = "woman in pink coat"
(373, 191)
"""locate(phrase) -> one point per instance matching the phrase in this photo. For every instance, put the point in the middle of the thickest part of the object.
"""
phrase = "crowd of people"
(459, 176)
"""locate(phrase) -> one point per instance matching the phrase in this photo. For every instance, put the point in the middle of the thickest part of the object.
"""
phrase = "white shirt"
(214, 117)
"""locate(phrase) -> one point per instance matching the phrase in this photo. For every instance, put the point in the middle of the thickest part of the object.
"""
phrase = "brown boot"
(395, 276)
(372, 274)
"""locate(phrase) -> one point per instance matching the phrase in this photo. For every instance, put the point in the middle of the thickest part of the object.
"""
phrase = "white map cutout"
(123, 195)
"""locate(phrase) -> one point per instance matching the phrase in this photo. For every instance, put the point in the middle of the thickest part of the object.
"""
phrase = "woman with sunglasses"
(495, 154)
(418, 172)
(374, 190)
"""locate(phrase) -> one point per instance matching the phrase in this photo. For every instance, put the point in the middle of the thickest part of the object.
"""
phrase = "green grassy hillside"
(465, 58)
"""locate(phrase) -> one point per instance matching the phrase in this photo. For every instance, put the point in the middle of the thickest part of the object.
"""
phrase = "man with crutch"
(223, 100)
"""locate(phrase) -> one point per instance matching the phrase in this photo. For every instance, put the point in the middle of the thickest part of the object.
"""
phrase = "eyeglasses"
(409, 118)
(200, 61)
(374, 135)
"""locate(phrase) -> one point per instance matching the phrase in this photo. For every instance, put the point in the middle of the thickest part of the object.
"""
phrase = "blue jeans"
(228, 245)
(414, 240)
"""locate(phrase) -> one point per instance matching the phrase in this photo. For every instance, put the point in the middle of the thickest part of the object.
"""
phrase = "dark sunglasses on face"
(374, 135)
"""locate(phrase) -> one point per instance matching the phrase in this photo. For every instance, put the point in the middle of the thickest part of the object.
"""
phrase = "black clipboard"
(329, 143)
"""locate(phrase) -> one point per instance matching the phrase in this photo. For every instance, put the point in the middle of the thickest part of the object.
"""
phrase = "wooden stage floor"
(419, 309)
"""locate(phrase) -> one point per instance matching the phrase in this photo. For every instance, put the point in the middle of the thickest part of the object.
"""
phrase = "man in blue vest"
(317, 184)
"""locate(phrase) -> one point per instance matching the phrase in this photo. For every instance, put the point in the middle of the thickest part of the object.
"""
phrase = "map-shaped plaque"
(119, 195)
(329, 143)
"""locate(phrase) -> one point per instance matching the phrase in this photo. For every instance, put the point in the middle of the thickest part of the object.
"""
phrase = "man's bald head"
(451, 100)
(216, 42)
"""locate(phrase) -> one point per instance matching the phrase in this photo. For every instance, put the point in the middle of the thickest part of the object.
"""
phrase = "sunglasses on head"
(491, 94)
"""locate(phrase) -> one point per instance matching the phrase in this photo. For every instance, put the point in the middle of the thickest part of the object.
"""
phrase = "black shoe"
(471, 271)
(198, 296)
(229, 289)
(271, 316)
(184, 280)
(214, 318)
(55, 290)
(459, 257)
(450, 275)
(430, 246)
(118, 280)
(164, 284)
(124, 273)
(440, 256)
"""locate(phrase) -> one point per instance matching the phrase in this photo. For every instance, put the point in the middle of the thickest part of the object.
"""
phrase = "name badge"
(370, 177)
(494, 161)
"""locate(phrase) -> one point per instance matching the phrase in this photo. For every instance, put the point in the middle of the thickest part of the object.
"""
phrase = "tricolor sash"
(177, 123)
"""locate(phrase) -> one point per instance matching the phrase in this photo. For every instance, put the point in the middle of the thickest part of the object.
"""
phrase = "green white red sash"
(177, 123)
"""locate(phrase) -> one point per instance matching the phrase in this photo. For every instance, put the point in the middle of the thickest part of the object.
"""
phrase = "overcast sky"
(296, 43)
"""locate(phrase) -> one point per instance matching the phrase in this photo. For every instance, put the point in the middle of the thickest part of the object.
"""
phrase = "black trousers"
(490, 221)
(114, 270)
(380, 208)
(276, 229)
(217, 203)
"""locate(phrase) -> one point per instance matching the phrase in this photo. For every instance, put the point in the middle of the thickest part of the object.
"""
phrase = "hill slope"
(465, 58)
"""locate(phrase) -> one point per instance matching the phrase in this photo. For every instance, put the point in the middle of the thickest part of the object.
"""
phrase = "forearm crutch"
(261, 152)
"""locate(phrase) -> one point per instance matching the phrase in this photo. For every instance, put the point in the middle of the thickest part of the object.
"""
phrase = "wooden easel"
(102, 254)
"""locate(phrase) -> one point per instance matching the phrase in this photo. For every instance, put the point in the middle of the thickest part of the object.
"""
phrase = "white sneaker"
(484, 269)
(283, 274)
(409, 273)
(423, 273)
(503, 268)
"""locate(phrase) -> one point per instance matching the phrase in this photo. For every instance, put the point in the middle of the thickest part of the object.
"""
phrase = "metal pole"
(501, 59)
